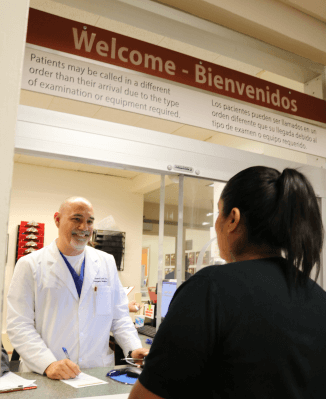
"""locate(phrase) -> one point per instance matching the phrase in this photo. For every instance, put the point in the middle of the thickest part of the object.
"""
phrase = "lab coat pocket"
(103, 300)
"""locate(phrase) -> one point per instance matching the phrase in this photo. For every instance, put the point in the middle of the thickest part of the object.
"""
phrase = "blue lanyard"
(77, 279)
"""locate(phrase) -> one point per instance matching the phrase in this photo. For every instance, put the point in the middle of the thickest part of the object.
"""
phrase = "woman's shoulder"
(245, 267)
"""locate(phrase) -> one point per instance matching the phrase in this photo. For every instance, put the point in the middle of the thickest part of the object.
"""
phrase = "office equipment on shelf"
(149, 331)
(152, 294)
(111, 242)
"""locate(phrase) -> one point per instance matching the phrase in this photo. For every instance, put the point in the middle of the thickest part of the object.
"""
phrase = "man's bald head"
(75, 223)
(71, 200)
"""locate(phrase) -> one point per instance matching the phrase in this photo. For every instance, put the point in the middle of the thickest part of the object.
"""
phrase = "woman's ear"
(234, 220)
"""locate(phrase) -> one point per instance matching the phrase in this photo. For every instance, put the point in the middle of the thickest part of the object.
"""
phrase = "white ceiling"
(315, 8)
(109, 114)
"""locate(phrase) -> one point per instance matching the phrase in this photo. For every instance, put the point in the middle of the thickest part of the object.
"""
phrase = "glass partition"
(200, 212)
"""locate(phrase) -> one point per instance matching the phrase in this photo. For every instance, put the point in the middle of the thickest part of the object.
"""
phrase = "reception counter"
(56, 389)
(47, 388)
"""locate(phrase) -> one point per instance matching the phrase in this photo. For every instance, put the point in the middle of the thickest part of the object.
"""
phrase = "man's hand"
(133, 306)
(139, 353)
(62, 370)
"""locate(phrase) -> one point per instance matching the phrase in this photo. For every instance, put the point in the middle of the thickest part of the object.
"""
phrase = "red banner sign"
(87, 41)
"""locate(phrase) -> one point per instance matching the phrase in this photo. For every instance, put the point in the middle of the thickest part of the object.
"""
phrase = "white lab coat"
(46, 314)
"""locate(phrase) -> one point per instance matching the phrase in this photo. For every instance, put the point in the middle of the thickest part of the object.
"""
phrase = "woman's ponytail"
(298, 223)
(279, 211)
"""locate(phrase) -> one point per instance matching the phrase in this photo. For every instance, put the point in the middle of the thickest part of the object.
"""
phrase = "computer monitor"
(169, 287)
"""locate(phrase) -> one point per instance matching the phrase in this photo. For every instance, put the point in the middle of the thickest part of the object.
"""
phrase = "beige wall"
(37, 192)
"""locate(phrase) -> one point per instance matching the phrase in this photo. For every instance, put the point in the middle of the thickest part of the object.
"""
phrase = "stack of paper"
(13, 382)
(84, 380)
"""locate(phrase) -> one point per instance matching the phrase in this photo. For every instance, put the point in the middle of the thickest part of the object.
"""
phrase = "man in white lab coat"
(68, 295)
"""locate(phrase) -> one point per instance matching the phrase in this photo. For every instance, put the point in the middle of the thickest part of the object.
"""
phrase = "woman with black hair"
(255, 327)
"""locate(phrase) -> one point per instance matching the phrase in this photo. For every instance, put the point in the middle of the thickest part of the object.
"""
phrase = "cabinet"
(111, 242)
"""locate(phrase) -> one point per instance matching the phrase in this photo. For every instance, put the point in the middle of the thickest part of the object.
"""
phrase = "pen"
(131, 358)
(137, 308)
(66, 353)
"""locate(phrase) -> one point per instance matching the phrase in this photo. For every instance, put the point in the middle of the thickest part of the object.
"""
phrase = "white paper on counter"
(11, 380)
(84, 380)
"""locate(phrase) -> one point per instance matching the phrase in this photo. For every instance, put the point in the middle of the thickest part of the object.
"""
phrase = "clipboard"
(18, 389)
(128, 290)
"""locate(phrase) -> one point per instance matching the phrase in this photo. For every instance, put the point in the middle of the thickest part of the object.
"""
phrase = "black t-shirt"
(241, 331)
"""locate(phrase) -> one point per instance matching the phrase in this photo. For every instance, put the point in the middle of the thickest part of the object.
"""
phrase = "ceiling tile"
(63, 164)
(127, 30)
(237, 142)
(282, 81)
(62, 10)
(188, 49)
(33, 99)
(193, 132)
(34, 160)
(128, 174)
(55, 163)
(160, 125)
(117, 116)
(237, 65)
(284, 153)
(73, 107)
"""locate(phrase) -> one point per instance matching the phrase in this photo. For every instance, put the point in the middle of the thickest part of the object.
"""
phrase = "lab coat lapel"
(92, 264)
(60, 269)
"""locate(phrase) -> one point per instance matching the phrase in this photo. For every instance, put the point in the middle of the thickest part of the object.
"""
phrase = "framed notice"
(191, 256)
(172, 259)
(167, 260)
(206, 258)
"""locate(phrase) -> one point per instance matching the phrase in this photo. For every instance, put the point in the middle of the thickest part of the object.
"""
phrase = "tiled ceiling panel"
(237, 65)
(37, 100)
(193, 132)
(61, 10)
(127, 30)
(34, 160)
(280, 80)
(74, 107)
(188, 49)
(118, 116)
(157, 124)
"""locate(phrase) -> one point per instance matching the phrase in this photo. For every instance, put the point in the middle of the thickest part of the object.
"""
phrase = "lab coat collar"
(60, 269)
(92, 265)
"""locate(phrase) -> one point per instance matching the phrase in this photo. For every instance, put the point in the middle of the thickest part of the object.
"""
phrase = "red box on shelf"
(27, 225)
(31, 237)
(30, 244)
(22, 251)
(24, 230)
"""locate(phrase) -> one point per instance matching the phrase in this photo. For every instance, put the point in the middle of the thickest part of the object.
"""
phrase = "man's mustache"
(75, 233)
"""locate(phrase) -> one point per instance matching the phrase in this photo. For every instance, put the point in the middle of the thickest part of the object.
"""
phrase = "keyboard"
(150, 331)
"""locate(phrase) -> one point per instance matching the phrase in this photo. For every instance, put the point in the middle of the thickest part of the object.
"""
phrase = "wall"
(38, 191)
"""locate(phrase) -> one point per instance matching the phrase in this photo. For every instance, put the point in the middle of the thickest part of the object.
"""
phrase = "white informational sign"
(96, 84)
(149, 311)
